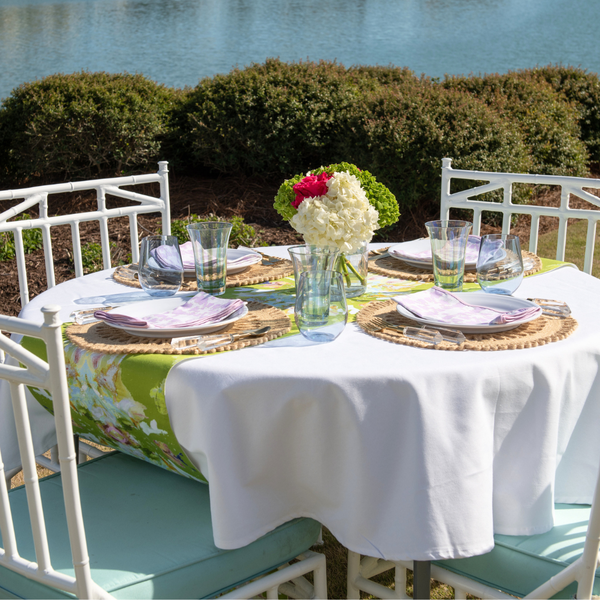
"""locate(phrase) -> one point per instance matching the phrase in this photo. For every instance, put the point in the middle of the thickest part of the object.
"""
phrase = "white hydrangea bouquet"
(339, 207)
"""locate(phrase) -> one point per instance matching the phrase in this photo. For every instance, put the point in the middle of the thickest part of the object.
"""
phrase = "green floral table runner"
(118, 400)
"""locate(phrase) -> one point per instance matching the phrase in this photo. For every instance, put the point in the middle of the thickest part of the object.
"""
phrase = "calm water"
(177, 42)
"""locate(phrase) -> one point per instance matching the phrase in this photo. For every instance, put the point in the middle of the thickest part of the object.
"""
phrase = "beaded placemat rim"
(519, 338)
(257, 273)
(407, 272)
(259, 315)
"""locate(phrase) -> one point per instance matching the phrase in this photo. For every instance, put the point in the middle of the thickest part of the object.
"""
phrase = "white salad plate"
(400, 252)
(232, 254)
(139, 310)
(499, 302)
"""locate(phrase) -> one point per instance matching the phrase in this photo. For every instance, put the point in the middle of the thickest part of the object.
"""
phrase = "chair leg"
(353, 592)
(361, 572)
(320, 580)
(460, 593)
(280, 580)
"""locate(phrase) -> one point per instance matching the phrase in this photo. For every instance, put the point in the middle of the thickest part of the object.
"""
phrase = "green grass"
(575, 249)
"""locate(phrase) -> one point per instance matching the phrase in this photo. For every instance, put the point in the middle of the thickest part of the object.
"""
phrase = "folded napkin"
(199, 310)
(440, 305)
(165, 259)
(471, 252)
(246, 259)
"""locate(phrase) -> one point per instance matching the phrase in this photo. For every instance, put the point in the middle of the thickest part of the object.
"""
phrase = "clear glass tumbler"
(448, 246)
(210, 241)
(307, 257)
(321, 311)
(160, 270)
(500, 264)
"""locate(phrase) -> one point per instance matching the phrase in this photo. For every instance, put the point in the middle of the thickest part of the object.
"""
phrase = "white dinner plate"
(141, 309)
(232, 254)
(422, 245)
(496, 301)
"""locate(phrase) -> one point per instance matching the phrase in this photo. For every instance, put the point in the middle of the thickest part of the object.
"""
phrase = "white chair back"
(38, 196)
(27, 369)
(466, 199)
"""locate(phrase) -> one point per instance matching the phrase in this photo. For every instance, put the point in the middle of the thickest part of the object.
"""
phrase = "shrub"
(82, 125)
(401, 132)
(91, 257)
(548, 123)
(241, 234)
(583, 90)
(367, 75)
(274, 117)
(32, 240)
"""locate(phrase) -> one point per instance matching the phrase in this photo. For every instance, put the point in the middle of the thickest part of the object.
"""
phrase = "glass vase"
(354, 267)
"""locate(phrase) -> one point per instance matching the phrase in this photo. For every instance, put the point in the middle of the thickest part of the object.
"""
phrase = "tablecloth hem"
(439, 553)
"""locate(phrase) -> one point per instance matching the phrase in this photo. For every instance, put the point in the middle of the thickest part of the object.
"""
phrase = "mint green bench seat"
(131, 510)
(519, 564)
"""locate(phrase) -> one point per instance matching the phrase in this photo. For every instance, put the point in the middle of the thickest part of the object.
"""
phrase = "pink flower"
(310, 187)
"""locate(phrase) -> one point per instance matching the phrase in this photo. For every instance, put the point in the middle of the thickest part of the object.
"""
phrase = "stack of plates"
(409, 252)
(503, 303)
(139, 310)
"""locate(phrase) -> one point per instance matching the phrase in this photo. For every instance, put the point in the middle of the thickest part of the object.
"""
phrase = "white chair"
(39, 196)
(147, 532)
(466, 199)
(547, 565)
(542, 565)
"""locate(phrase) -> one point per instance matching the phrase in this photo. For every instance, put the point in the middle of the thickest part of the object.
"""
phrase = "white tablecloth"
(402, 453)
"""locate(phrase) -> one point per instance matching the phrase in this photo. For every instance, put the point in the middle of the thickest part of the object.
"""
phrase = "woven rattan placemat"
(269, 269)
(100, 337)
(541, 331)
(393, 267)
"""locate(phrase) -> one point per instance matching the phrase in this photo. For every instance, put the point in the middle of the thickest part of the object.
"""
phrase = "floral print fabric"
(118, 400)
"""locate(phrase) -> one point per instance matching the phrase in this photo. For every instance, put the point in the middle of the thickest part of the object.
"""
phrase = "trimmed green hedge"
(402, 132)
(82, 125)
(583, 90)
(268, 118)
(280, 119)
(549, 124)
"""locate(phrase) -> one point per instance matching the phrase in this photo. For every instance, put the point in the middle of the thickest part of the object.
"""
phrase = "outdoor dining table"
(403, 453)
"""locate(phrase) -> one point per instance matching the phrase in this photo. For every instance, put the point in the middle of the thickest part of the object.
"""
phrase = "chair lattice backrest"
(24, 368)
(466, 199)
(38, 196)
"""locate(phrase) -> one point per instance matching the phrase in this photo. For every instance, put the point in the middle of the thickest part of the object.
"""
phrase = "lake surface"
(177, 42)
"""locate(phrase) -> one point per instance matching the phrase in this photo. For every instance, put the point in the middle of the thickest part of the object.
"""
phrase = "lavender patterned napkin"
(440, 305)
(165, 259)
(471, 254)
(199, 310)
